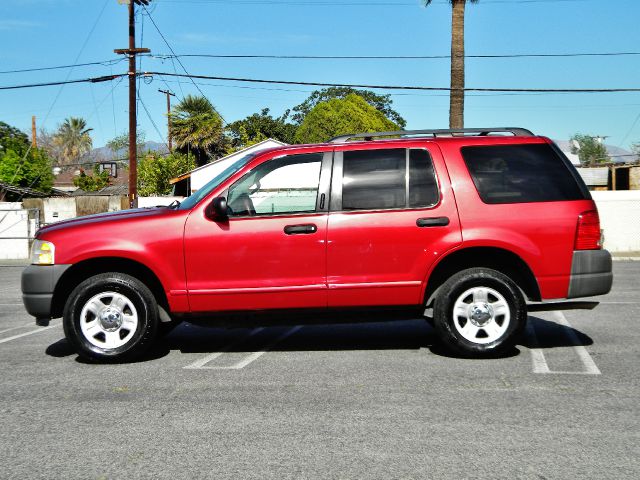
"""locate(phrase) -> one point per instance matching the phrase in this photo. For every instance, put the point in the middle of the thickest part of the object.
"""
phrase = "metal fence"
(17, 229)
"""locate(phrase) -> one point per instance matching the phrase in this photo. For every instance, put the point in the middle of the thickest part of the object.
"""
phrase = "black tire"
(504, 328)
(139, 299)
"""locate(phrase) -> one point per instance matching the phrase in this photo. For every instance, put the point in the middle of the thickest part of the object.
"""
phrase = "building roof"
(237, 153)
(30, 192)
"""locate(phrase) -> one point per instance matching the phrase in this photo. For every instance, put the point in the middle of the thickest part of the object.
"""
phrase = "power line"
(105, 78)
(112, 62)
(152, 121)
(398, 57)
(178, 59)
(105, 63)
(62, 84)
(325, 3)
(398, 87)
(326, 84)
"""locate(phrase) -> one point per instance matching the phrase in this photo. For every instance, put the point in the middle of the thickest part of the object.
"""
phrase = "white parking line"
(539, 361)
(537, 355)
(30, 324)
(15, 337)
(201, 364)
(590, 366)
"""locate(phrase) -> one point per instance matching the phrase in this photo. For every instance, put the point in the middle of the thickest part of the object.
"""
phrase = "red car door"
(271, 253)
(392, 214)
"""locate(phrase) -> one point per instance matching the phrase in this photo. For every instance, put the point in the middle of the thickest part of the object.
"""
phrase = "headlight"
(42, 253)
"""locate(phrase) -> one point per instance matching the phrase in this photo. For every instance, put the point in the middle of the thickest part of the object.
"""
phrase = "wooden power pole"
(34, 142)
(131, 52)
(169, 95)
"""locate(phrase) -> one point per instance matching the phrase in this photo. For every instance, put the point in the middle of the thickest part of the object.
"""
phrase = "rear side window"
(520, 174)
(388, 179)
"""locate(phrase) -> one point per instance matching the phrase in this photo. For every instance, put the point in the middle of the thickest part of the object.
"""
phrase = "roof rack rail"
(515, 131)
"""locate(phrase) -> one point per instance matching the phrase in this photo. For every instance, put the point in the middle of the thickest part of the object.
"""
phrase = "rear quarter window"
(520, 174)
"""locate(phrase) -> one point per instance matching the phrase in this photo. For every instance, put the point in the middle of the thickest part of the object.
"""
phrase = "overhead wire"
(395, 87)
(394, 57)
(62, 85)
(105, 63)
(183, 67)
(172, 57)
(328, 84)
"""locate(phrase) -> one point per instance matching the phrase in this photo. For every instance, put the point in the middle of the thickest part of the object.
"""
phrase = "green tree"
(379, 102)
(260, 126)
(73, 138)
(196, 128)
(92, 183)
(351, 114)
(590, 149)
(20, 164)
(456, 96)
(155, 171)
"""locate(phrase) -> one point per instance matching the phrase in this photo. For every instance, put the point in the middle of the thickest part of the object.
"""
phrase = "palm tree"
(73, 138)
(197, 128)
(456, 96)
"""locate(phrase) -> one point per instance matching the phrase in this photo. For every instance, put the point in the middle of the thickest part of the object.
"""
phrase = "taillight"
(588, 231)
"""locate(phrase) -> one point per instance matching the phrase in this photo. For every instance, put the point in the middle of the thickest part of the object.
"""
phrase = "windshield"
(192, 200)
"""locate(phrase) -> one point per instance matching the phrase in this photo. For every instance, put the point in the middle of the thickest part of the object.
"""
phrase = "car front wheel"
(111, 317)
(479, 312)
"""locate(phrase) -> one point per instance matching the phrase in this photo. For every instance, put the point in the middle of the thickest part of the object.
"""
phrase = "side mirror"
(218, 210)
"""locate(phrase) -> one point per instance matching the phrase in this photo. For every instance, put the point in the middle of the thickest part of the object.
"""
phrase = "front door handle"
(300, 229)
(433, 222)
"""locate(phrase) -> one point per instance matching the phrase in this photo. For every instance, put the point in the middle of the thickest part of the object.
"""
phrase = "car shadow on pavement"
(390, 335)
(62, 348)
(549, 334)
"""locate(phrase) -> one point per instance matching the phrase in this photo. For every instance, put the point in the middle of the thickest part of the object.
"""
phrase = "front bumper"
(38, 284)
(591, 273)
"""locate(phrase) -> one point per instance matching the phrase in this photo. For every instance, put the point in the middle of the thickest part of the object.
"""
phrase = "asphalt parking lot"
(377, 400)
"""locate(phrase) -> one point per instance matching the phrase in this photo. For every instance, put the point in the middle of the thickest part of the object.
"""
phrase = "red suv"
(474, 223)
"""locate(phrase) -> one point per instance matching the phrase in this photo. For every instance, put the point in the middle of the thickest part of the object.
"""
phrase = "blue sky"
(42, 33)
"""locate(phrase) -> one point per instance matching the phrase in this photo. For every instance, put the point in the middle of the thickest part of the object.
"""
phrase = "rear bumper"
(591, 273)
(38, 284)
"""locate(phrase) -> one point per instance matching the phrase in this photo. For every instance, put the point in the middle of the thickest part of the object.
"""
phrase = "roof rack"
(481, 132)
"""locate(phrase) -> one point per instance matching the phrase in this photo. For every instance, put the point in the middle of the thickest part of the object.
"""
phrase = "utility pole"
(131, 52)
(34, 142)
(169, 95)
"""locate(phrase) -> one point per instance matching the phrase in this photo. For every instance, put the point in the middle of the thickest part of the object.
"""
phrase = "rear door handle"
(300, 229)
(433, 222)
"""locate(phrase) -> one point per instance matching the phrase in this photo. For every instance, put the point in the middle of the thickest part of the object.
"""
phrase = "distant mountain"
(105, 154)
(617, 154)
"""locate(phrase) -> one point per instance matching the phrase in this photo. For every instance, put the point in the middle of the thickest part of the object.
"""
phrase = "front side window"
(279, 186)
(388, 179)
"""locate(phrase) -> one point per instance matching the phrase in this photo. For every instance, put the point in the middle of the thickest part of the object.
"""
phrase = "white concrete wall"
(59, 208)
(620, 219)
(14, 230)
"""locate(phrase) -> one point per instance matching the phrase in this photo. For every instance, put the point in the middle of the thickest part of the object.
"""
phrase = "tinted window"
(281, 185)
(520, 173)
(377, 179)
(423, 189)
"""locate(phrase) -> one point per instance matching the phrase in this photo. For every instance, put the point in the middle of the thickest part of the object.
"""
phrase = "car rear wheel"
(479, 312)
(111, 317)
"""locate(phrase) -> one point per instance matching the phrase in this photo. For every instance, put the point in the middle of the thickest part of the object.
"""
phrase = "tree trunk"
(456, 96)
